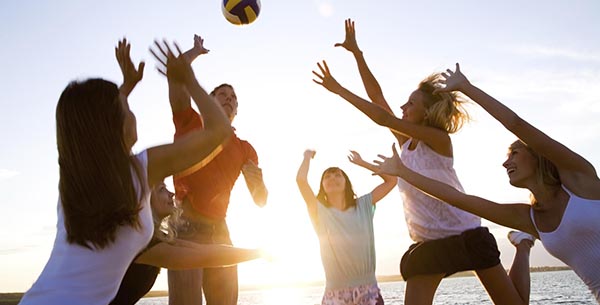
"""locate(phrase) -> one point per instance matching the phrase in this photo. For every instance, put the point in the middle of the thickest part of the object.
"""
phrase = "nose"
(505, 164)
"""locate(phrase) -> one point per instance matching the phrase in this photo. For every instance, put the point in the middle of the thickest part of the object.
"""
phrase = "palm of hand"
(355, 158)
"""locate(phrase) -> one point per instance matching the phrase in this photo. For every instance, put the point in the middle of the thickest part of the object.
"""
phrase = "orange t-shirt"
(208, 189)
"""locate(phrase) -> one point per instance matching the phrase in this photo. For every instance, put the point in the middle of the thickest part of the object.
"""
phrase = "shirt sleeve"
(249, 152)
(186, 121)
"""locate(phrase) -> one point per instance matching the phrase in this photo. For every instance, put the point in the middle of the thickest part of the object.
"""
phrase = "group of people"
(443, 221)
(118, 224)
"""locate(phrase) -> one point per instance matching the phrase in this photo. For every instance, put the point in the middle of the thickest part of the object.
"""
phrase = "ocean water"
(556, 287)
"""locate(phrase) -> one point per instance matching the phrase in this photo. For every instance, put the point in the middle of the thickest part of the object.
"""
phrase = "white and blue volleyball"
(241, 12)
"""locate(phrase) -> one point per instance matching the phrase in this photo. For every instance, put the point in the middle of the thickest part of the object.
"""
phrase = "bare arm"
(307, 193)
(437, 139)
(255, 183)
(179, 97)
(575, 172)
(381, 190)
(514, 216)
(175, 257)
(370, 83)
(199, 146)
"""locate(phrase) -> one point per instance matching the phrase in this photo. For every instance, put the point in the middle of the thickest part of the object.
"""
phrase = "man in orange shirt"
(204, 191)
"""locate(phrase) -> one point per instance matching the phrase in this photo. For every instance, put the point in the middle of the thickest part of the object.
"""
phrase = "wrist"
(466, 87)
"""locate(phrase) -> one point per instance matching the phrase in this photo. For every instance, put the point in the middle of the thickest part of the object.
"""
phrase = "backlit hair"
(96, 185)
(546, 172)
(444, 110)
(224, 85)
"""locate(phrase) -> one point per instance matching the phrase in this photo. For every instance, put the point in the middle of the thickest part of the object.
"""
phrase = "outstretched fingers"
(324, 73)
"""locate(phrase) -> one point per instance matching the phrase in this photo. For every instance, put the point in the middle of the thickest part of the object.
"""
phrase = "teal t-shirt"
(347, 244)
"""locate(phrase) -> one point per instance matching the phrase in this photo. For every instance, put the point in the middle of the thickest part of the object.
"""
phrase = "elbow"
(301, 180)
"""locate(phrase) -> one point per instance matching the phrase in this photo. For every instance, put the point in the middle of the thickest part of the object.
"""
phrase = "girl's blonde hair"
(546, 172)
(165, 229)
(444, 110)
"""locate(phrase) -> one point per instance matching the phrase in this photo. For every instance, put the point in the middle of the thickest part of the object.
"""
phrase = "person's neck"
(545, 196)
(337, 201)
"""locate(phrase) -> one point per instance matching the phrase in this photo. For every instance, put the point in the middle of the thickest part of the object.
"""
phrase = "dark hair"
(96, 186)
(214, 91)
(349, 195)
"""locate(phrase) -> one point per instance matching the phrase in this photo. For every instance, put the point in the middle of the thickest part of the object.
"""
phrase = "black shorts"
(473, 249)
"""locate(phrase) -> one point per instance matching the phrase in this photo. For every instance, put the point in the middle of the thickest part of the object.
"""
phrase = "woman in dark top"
(164, 250)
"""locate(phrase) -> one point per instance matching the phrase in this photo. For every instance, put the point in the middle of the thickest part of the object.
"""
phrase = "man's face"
(228, 100)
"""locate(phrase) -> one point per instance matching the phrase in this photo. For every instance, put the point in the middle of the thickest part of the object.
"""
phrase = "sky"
(540, 58)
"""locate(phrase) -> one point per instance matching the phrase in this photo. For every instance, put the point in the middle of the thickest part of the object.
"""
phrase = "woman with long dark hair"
(104, 214)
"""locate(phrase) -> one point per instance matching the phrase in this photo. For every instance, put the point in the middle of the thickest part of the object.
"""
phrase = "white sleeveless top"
(428, 218)
(76, 275)
(576, 240)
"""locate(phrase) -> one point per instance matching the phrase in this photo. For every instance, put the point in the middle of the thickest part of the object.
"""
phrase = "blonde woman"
(565, 189)
(447, 239)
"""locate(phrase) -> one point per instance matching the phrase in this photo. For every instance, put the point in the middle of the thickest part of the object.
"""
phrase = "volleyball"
(241, 12)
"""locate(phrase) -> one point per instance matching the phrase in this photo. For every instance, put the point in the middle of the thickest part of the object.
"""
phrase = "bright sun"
(284, 231)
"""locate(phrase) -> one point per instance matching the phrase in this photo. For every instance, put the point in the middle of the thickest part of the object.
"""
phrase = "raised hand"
(453, 81)
(355, 158)
(197, 50)
(350, 40)
(325, 78)
(131, 75)
(392, 166)
(309, 154)
(172, 65)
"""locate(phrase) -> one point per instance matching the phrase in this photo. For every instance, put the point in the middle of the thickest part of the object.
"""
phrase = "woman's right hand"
(453, 81)
(349, 43)
(392, 166)
(173, 65)
(309, 154)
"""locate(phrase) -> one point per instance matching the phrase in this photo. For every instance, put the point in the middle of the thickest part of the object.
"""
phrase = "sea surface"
(553, 287)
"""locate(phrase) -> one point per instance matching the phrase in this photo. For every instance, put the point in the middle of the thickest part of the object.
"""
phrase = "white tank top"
(76, 275)
(576, 240)
(428, 218)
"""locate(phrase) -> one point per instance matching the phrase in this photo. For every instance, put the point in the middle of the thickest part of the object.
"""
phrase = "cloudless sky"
(541, 58)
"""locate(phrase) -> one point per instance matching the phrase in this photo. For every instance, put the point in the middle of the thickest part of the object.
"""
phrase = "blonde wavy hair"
(546, 172)
(444, 110)
(165, 229)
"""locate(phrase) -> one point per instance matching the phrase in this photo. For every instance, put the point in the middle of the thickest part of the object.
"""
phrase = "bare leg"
(420, 289)
(513, 288)
(519, 271)
(185, 287)
(220, 285)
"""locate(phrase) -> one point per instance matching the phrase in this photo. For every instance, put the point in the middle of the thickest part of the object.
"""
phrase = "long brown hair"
(349, 195)
(96, 187)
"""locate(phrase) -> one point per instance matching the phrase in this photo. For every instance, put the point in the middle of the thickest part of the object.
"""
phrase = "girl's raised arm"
(574, 170)
(302, 180)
